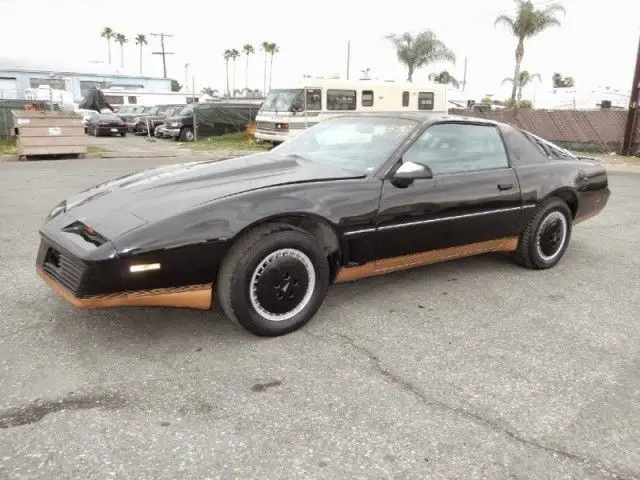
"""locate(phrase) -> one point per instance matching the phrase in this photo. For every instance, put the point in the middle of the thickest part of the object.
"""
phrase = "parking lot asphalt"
(472, 369)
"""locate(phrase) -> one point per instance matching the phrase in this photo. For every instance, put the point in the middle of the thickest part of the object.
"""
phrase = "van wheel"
(274, 280)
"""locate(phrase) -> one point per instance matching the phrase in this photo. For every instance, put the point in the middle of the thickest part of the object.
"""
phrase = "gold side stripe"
(193, 296)
(404, 262)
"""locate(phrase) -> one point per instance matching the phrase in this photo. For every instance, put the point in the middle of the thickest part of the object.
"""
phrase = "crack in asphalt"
(38, 409)
(474, 417)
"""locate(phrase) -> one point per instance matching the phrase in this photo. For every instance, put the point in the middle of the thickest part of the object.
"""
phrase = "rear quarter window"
(521, 150)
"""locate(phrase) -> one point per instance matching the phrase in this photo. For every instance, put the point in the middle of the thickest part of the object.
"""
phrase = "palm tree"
(141, 40)
(234, 54)
(248, 50)
(108, 33)
(272, 48)
(227, 56)
(121, 39)
(528, 22)
(423, 49)
(265, 48)
(524, 79)
(365, 73)
(444, 78)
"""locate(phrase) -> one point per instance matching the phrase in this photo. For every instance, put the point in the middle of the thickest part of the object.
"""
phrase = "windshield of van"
(280, 100)
(355, 143)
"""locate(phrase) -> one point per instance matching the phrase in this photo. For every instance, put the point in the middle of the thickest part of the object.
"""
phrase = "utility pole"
(162, 51)
(348, 57)
(632, 115)
(464, 77)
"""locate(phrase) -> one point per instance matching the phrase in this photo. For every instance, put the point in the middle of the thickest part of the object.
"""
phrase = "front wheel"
(186, 135)
(274, 280)
(546, 237)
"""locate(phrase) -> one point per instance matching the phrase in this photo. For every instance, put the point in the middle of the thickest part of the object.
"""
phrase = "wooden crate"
(49, 133)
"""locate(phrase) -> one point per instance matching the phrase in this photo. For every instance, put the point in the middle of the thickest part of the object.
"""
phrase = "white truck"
(286, 112)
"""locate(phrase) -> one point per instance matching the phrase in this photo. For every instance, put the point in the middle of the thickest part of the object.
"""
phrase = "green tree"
(265, 49)
(418, 51)
(524, 79)
(527, 23)
(212, 92)
(247, 49)
(271, 49)
(175, 86)
(108, 34)
(141, 40)
(444, 78)
(562, 82)
(227, 57)
(234, 54)
(121, 39)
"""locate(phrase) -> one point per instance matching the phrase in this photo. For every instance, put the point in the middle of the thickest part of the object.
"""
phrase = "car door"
(471, 204)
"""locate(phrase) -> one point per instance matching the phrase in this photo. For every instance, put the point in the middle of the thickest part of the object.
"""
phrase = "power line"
(162, 52)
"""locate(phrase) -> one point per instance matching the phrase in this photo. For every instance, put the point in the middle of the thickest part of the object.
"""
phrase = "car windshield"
(280, 100)
(186, 111)
(150, 110)
(356, 143)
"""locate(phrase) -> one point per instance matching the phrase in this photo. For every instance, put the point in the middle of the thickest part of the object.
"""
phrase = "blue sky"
(596, 44)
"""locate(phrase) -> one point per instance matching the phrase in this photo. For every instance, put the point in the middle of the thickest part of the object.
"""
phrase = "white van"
(286, 112)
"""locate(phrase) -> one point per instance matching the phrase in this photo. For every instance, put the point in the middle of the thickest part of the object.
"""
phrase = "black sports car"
(354, 196)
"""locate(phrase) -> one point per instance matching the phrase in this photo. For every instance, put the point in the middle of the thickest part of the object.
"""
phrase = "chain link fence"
(595, 131)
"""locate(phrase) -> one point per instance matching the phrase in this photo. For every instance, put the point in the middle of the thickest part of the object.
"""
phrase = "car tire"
(546, 237)
(186, 135)
(274, 280)
(124, 134)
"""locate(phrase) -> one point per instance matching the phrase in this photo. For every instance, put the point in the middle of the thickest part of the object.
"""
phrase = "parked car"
(106, 124)
(128, 112)
(354, 196)
(153, 117)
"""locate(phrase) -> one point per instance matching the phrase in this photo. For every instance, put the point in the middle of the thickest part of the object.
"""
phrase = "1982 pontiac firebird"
(354, 196)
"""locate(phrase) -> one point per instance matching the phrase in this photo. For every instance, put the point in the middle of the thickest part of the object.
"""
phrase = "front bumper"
(271, 136)
(172, 132)
(111, 130)
(101, 283)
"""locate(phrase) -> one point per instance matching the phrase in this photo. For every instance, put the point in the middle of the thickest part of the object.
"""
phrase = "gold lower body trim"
(404, 262)
(198, 297)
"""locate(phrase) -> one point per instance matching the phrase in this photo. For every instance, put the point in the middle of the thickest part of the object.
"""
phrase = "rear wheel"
(274, 280)
(124, 134)
(546, 237)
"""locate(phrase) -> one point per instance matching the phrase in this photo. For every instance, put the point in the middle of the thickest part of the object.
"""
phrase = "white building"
(575, 98)
(67, 84)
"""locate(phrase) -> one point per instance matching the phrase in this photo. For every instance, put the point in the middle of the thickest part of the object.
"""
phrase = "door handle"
(505, 186)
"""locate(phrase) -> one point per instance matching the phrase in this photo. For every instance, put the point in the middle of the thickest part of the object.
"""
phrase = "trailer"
(286, 112)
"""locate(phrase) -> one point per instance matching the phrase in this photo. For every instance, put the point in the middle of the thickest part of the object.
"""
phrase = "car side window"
(448, 148)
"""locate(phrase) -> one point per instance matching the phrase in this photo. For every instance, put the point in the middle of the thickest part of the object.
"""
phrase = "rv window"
(425, 101)
(114, 100)
(314, 99)
(341, 99)
(405, 99)
(133, 100)
(367, 98)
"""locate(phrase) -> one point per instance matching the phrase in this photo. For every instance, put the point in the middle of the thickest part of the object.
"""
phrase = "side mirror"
(413, 171)
(296, 108)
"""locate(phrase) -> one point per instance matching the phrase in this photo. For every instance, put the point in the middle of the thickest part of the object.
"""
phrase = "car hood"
(176, 118)
(120, 205)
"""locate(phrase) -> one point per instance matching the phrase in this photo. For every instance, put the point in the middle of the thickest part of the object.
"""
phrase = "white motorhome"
(117, 97)
(286, 112)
